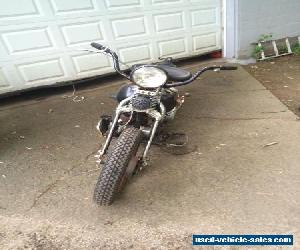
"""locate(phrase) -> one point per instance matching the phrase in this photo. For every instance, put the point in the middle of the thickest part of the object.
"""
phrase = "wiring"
(75, 98)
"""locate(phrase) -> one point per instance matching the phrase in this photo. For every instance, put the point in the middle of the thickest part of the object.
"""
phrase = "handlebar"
(198, 73)
(114, 57)
(169, 85)
(225, 67)
(98, 46)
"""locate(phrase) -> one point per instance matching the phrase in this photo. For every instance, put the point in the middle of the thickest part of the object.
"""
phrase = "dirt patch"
(282, 77)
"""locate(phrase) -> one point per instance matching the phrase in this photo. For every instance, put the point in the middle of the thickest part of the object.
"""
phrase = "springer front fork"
(125, 107)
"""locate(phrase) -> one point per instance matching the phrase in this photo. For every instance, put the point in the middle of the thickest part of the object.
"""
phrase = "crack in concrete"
(37, 198)
(54, 183)
(48, 188)
(273, 112)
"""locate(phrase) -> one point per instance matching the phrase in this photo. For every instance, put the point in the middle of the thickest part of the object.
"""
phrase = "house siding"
(257, 17)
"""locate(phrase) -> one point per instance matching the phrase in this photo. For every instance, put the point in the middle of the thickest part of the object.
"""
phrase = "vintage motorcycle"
(143, 106)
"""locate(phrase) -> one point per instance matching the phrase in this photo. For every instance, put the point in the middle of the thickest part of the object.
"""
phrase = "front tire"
(118, 166)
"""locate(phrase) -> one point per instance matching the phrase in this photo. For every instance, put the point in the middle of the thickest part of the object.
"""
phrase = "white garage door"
(39, 39)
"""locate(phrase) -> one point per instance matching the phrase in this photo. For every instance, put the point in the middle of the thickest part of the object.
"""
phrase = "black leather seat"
(175, 74)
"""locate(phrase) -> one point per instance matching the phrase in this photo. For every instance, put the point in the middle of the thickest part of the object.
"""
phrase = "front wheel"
(119, 166)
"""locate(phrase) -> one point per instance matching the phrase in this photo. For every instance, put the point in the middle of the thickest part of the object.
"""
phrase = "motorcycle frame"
(125, 106)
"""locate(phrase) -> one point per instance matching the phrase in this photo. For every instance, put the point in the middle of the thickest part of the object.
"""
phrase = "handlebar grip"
(228, 68)
(98, 46)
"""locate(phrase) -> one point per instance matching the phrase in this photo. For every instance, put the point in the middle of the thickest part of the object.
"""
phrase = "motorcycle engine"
(143, 100)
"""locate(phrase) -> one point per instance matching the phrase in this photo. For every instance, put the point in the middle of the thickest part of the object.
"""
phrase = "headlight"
(149, 77)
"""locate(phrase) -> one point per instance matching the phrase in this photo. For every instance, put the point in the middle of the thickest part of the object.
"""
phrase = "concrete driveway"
(228, 183)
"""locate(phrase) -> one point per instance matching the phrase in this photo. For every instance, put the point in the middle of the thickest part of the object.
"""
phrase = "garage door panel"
(28, 41)
(90, 63)
(3, 80)
(4, 54)
(129, 27)
(67, 6)
(122, 3)
(205, 29)
(41, 38)
(175, 47)
(166, 2)
(137, 53)
(42, 70)
(204, 17)
(169, 21)
(19, 9)
(73, 34)
(21, 41)
(205, 42)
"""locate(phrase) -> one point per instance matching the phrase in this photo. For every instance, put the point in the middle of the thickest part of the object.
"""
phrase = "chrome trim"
(123, 107)
(120, 108)
(158, 117)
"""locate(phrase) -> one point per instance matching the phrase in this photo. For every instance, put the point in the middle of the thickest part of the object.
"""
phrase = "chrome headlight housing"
(149, 76)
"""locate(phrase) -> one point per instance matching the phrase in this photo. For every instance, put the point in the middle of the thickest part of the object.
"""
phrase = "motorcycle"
(143, 106)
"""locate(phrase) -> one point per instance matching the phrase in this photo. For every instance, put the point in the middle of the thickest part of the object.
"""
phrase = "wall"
(256, 17)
